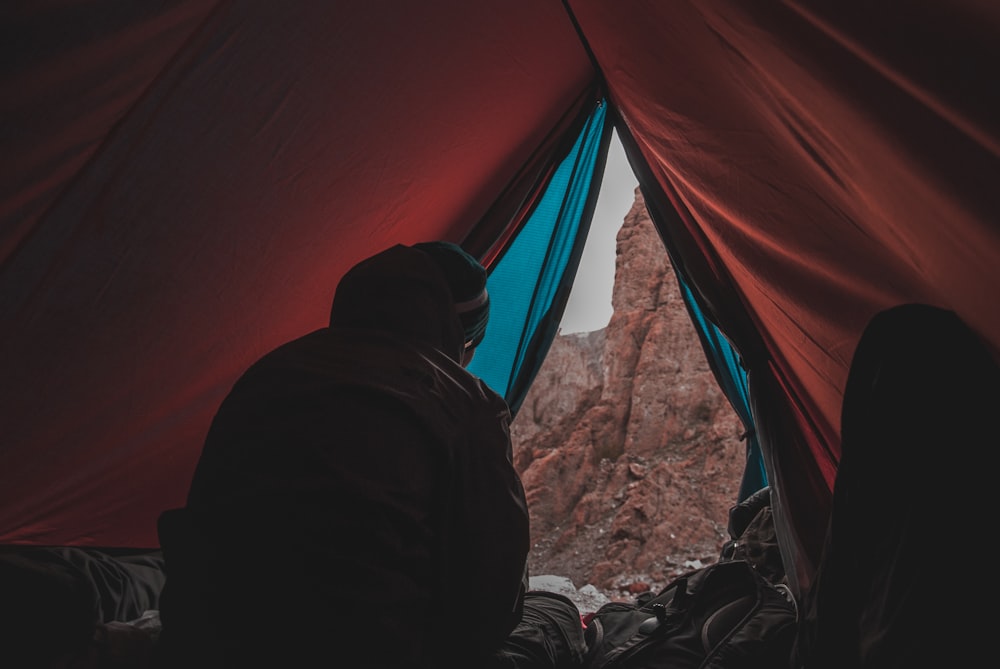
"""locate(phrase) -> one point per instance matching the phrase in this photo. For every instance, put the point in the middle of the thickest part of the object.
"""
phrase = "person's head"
(466, 280)
(431, 292)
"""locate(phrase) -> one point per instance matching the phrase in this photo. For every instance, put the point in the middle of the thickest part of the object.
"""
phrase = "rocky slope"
(629, 451)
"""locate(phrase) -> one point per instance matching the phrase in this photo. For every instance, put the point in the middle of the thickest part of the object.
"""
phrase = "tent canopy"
(184, 182)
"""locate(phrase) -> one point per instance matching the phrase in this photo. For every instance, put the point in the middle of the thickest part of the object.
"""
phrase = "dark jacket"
(356, 492)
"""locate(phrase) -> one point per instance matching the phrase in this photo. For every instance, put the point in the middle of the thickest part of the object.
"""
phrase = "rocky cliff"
(629, 451)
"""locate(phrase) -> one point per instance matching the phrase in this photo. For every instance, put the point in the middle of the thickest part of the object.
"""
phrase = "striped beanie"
(467, 280)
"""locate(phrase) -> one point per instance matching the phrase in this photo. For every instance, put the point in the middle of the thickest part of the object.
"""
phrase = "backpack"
(724, 615)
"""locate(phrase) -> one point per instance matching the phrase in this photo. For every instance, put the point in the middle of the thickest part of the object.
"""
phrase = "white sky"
(589, 305)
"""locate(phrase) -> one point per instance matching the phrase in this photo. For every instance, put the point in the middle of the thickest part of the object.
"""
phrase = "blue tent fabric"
(732, 378)
(530, 284)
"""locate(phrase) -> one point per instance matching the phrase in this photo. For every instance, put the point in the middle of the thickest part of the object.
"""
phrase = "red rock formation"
(629, 451)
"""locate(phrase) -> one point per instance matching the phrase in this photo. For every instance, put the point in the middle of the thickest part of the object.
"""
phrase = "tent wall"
(274, 149)
(70, 71)
(828, 160)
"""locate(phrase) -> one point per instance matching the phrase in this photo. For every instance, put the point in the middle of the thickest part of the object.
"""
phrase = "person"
(355, 499)
(902, 580)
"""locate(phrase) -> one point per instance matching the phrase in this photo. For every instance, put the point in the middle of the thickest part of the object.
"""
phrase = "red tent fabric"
(184, 182)
(211, 198)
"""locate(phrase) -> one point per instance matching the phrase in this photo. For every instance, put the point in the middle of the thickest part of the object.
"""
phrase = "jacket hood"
(400, 291)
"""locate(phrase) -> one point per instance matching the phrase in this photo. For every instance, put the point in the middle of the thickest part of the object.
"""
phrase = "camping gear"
(725, 615)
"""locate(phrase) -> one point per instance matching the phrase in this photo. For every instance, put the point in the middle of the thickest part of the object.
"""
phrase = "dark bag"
(723, 615)
(754, 537)
(549, 636)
